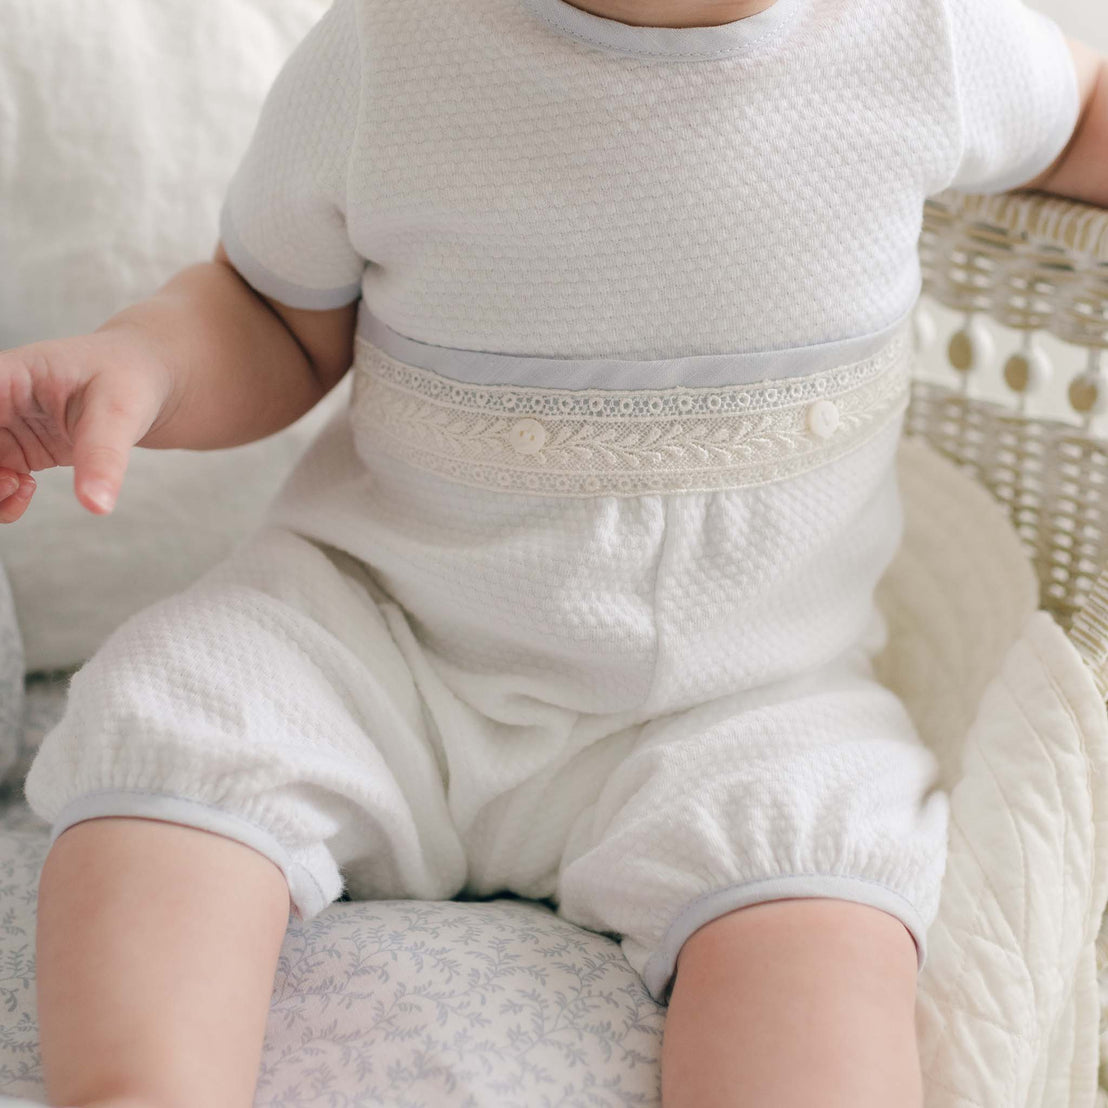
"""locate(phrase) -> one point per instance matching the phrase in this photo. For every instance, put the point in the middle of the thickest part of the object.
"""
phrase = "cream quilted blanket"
(1008, 1004)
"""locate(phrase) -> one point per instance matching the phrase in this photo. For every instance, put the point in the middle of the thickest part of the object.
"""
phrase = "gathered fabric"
(642, 690)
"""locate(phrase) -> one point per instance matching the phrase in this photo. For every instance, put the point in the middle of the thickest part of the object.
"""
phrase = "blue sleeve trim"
(306, 890)
(662, 964)
(270, 284)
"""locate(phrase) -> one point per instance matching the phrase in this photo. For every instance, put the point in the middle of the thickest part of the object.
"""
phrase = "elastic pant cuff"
(660, 966)
(313, 878)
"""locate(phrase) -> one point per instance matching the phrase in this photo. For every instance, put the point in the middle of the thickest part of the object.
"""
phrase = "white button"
(527, 436)
(823, 418)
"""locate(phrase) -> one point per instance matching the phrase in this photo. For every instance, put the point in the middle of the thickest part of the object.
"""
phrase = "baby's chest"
(561, 170)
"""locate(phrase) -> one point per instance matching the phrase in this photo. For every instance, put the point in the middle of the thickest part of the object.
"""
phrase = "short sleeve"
(284, 223)
(1017, 91)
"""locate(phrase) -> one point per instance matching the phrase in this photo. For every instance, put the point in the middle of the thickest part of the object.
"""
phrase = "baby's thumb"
(109, 425)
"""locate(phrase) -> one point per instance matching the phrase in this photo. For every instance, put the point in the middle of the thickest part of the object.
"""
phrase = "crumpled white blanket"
(1008, 1011)
(121, 122)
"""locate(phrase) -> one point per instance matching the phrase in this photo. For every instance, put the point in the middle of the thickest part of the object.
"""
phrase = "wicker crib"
(1037, 265)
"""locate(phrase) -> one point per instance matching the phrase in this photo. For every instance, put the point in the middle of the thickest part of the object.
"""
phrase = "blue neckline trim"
(668, 43)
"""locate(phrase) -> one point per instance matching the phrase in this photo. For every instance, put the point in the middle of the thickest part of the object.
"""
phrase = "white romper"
(575, 601)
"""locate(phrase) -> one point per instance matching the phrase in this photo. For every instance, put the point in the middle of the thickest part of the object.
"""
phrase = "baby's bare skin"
(157, 943)
(204, 363)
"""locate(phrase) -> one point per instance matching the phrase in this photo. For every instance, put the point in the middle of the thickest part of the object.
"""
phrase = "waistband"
(483, 367)
(625, 442)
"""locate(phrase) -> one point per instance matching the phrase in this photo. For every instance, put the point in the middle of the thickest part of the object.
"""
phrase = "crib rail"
(1037, 264)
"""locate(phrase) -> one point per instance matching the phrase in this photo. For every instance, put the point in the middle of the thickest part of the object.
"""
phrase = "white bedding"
(1008, 1006)
(120, 124)
(451, 1005)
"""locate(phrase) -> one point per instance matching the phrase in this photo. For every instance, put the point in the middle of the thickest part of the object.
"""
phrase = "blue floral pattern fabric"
(387, 1003)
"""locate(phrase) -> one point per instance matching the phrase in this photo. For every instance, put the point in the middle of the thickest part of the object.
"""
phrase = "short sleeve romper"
(575, 599)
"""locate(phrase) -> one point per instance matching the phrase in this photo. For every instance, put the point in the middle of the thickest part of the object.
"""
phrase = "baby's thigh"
(795, 1002)
(814, 787)
(268, 703)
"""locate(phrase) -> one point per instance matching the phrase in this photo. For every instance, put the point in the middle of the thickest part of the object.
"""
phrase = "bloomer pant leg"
(268, 703)
(813, 787)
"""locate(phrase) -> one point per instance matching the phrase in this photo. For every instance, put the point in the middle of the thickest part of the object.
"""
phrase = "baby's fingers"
(111, 422)
(16, 490)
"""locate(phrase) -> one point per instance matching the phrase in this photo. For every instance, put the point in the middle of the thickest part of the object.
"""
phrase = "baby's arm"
(206, 362)
(210, 361)
(243, 365)
(1081, 170)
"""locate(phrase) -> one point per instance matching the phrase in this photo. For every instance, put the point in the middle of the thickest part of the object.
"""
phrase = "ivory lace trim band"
(601, 442)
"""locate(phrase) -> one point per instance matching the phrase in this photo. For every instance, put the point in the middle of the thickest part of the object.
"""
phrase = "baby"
(576, 598)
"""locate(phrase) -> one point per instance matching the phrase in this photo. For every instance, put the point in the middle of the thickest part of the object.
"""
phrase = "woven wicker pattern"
(1038, 217)
(1035, 263)
(1049, 476)
(1029, 260)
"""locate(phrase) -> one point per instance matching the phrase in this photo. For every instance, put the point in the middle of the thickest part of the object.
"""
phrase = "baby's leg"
(269, 712)
(786, 847)
(157, 945)
(791, 1003)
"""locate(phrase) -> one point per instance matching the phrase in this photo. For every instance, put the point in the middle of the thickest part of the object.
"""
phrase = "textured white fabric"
(1018, 97)
(1007, 1009)
(521, 191)
(294, 180)
(645, 707)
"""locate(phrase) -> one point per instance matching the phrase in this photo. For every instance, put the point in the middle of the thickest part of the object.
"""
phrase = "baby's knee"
(800, 1001)
(828, 937)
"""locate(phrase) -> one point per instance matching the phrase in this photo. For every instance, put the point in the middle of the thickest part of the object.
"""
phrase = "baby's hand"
(82, 402)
